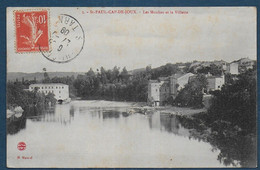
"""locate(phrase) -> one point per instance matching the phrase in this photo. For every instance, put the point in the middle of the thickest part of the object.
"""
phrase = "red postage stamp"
(32, 34)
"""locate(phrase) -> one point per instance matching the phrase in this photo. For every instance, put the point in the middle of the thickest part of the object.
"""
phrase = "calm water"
(102, 134)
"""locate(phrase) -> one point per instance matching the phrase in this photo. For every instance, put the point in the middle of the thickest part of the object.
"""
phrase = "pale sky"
(138, 40)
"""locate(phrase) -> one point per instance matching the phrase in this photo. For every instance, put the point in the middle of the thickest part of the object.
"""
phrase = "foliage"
(236, 102)
(69, 80)
(235, 147)
(191, 95)
(168, 70)
(112, 85)
(17, 96)
(231, 121)
(213, 69)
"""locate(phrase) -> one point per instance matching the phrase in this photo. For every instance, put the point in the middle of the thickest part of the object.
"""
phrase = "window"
(49, 87)
(31, 87)
(52, 87)
(62, 87)
(59, 91)
(45, 87)
(42, 87)
(46, 91)
(56, 87)
(59, 87)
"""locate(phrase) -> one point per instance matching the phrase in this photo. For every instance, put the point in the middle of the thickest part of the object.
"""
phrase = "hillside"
(12, 76)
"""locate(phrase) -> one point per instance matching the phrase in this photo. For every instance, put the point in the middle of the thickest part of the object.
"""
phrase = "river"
(102, 134)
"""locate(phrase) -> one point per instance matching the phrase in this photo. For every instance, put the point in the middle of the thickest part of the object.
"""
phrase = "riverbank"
(180, 110)
(141, 106)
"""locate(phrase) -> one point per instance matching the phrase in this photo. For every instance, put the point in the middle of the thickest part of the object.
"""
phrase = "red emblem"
(21, 146)
(31, 31)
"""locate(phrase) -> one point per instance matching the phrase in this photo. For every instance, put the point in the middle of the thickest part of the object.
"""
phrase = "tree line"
(16, 95)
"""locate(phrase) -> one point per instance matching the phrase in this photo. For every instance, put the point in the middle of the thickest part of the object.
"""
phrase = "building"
(60, 91)
(206, 100)
(215, 82)
(160, 90)
(178, 81)
(240, 66)
(154, 93)
(232, 68)
(164, 91)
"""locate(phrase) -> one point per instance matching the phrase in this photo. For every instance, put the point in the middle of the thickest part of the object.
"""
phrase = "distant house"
(160, 90)
(60, 91)
(178, 81)
(240, 66)
(232, 68)
(154, 92)
(164, 92)
(215, 82)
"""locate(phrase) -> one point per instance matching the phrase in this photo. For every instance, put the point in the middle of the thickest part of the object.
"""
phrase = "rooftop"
(48, 84)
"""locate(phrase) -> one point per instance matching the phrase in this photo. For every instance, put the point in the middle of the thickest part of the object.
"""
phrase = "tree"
(124, 75)
(115, 74)
(212, 69)
(46, 76)
(90, 73)
(103, 75)
(236, 102)
(191, 95)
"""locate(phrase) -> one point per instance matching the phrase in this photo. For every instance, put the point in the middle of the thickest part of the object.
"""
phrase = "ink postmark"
(66, 40)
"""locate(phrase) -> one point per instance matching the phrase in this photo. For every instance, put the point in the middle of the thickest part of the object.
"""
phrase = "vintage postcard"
(131, 87)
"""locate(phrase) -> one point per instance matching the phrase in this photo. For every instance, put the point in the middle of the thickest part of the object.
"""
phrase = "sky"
(137, 40)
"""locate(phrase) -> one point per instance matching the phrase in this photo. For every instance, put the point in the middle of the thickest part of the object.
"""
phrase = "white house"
(61, 91)
(232, 68)
(215, 83)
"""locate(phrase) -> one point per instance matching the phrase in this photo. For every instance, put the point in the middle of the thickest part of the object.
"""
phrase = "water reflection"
(114, 130)
(62, 114)
(236, 148)
(14, 126)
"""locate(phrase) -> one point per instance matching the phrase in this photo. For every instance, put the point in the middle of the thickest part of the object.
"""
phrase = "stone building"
(215, 82)
(178, 81)
(60, 91)
(232, 68)
(160, 90)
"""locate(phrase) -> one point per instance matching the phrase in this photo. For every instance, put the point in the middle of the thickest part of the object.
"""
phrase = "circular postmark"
(21, 146)
(66, 41)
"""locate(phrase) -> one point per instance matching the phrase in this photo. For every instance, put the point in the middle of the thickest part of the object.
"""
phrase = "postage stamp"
(31, 31)
(67, 40)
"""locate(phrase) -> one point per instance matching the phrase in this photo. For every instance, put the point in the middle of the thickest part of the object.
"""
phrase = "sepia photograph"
(131, 87)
